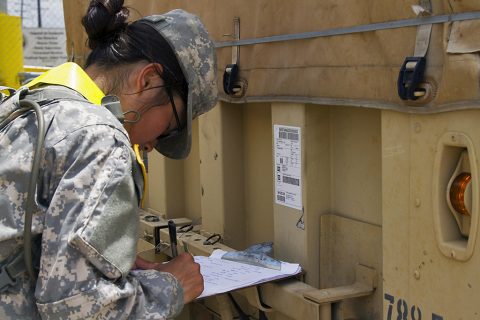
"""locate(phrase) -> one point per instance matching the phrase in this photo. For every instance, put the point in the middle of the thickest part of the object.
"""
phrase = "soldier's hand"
(184, 269)
(187, 272)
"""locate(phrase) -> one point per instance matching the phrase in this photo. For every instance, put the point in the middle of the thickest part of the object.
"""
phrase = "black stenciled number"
(419, 313)
(402, 309)
(390, 299)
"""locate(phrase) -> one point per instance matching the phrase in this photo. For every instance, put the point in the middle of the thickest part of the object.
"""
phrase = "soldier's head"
(162, 67)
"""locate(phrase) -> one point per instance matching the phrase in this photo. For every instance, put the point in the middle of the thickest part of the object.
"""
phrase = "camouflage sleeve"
(90, 235)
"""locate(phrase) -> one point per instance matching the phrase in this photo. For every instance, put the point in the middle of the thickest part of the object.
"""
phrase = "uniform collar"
(72, 76)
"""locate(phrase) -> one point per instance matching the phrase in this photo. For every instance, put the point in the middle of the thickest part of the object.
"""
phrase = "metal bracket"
(364, 285)
(231, 84)
(236, 37)
(112, 103)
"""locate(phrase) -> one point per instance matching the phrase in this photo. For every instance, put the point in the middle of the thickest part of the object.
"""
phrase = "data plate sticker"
(288, 166)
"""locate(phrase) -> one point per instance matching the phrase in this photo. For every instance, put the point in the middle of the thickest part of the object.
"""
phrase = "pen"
(172, 231)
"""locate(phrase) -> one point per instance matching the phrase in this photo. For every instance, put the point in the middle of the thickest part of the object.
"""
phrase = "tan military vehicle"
(347, 134)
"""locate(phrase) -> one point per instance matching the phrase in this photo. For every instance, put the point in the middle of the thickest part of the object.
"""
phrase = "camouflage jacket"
(86, 213)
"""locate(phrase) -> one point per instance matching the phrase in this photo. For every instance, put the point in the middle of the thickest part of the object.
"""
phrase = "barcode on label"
(288, 134)
(280, 198)
(295, 182)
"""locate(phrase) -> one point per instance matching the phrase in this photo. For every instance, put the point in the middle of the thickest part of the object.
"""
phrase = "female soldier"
(85, 208)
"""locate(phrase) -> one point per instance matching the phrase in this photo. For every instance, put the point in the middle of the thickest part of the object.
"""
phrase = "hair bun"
(103, 21)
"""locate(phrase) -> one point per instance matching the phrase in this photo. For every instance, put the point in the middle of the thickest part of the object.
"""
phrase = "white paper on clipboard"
(222, 275)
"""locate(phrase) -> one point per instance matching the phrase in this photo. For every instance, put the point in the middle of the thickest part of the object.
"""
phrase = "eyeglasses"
(170, 133)
(176, 131)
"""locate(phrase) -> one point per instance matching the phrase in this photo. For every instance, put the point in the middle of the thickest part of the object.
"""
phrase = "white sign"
(43, 31)
(288, 166)
(45, 47)
(49, 15)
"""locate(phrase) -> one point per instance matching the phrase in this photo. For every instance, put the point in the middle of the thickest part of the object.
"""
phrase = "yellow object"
(74, 77)
(35, 69)
(136, 149)
(11, 51)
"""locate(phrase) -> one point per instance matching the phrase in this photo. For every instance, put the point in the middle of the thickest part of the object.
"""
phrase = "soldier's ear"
(150, 76)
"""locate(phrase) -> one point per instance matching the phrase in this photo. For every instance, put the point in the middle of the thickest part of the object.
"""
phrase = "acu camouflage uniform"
(87, 199)
(86, 216)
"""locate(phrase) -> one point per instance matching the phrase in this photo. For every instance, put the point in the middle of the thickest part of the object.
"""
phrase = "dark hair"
(115, 42)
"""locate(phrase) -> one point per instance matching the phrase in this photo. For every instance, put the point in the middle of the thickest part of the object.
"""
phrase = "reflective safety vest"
(70, 75)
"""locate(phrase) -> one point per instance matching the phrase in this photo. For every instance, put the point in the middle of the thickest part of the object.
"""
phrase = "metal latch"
(231, 84)
(411, 74)
(230, 77)
(112, 103)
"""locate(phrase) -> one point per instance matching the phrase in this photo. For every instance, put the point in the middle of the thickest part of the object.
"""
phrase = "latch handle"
(410, 76)
(230, 77)
(231, 73)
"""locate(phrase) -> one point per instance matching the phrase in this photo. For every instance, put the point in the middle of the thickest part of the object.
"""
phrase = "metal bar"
(39, 13)
(236, 36)
(3, 6)
(355, 29)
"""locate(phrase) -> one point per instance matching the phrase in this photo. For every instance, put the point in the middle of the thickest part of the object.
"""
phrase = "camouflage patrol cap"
(195, 52)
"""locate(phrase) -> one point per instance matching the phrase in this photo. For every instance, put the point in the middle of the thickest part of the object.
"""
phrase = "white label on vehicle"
(288, 166)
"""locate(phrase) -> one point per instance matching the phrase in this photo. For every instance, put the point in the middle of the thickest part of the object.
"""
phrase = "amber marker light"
(457, 192)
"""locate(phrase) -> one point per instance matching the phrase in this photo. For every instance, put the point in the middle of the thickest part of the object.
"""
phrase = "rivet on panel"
(417, 127)
(416, 274)
(418, 202)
